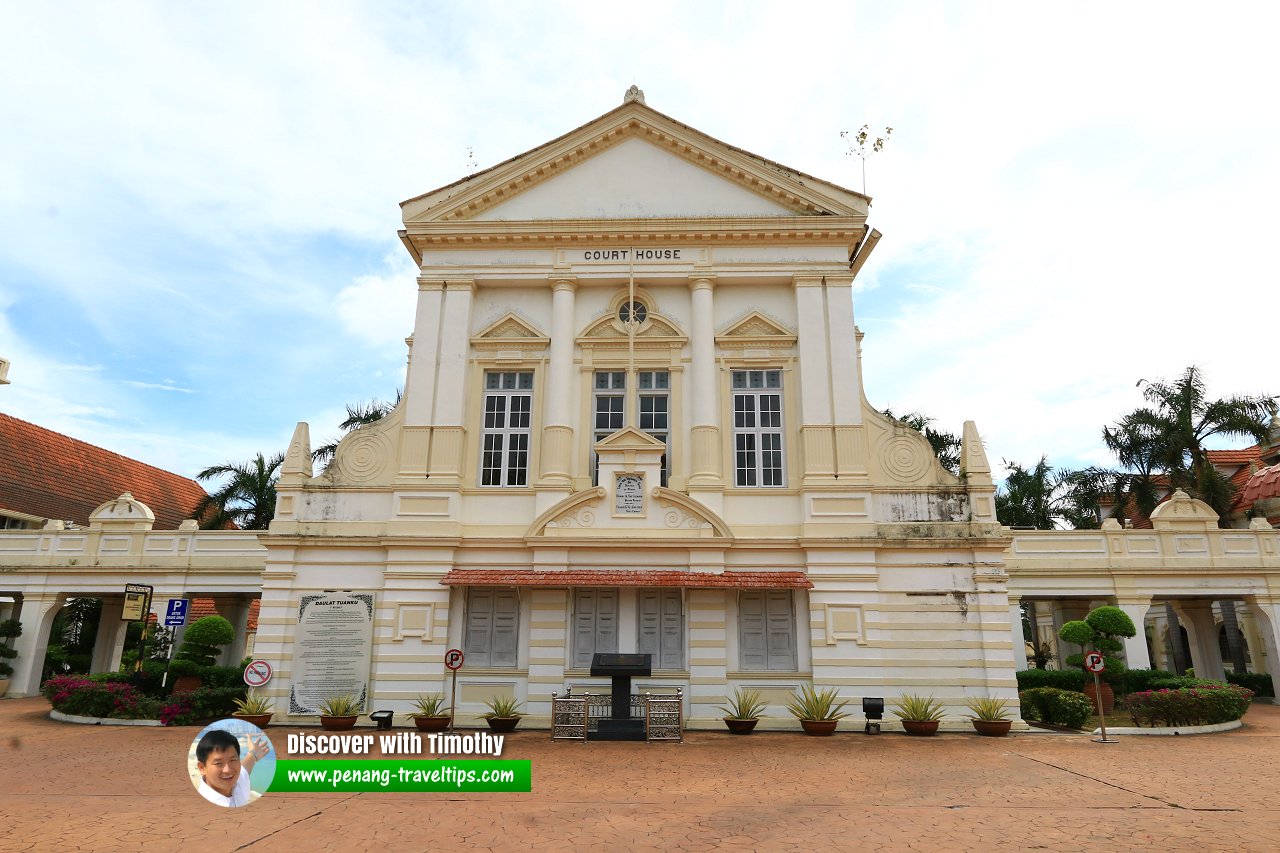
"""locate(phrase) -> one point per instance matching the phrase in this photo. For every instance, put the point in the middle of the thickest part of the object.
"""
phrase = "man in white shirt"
(225, 778)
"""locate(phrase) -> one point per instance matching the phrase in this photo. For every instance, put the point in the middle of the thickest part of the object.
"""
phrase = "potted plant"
(254, 709)
(339, 713)
(183, 676)
(432, 715)
(919, 715)
(9, 629)
(743, 711)
(817, 710)
(1099, 630)
(503, 714)
(990, 717)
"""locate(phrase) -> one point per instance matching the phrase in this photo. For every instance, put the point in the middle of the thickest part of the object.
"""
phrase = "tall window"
(595, 624)
(508, 402)
(661, 624)
(766, 630)
(757, 427)
(493, 617)
(655, 410)
(610, 401)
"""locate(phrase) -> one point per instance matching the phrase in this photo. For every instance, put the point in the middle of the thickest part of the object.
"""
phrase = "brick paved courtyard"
(80, 788)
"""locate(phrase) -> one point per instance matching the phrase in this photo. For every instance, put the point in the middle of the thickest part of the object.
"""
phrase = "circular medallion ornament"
(902, 458)
(364, 457)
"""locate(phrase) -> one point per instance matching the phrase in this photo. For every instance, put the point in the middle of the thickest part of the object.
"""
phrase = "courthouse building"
(634, 421)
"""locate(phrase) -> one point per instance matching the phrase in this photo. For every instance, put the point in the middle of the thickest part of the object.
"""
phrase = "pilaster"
(420, 386)
(704, 389)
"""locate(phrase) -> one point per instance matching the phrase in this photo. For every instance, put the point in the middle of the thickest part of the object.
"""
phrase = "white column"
(1019, 641)
(846, 394)
(1137, 655)
(109, 642)
(455, 348)
(36, 615)
(420, 386)
(704, 391)
(815, 379)
(1266, 613)
(557, 435)
(1202, 635)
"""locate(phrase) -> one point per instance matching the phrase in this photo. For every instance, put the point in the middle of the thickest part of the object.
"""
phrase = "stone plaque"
(333, 647)
(628, 496)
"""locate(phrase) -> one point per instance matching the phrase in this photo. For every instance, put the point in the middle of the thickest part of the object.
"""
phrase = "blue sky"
(199, 202)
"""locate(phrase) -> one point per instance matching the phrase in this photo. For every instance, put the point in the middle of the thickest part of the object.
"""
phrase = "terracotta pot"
(4, 686)
(819, 728)
(1107, 694)
(338, 724)
(503, 724)
(259, 720)
(920, 728)
(992, 728)
(186, 684)
(740, 727)
(432, 724)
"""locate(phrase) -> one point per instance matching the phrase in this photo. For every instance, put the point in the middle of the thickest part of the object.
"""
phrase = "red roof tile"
(625, 577)
(1262, 485)
(1233, 457)
(50, 475)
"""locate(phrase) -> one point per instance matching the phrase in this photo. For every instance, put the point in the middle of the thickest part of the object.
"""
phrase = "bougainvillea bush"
(85, 697)
(1189, 706)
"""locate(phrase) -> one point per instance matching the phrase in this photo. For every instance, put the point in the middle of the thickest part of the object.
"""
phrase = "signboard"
(257, 673)
(333, 649)
(453, 658)
(137, 602)
(628, 497)
(177, 612)
(1093, 662)
(628, 255)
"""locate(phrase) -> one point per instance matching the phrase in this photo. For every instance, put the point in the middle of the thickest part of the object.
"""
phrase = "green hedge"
(1259, 682)
(222, 676)
(1189, 706)
(1062, 679)
(1056, 707)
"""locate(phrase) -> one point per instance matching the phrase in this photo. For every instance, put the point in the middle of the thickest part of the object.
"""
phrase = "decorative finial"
(633, 94)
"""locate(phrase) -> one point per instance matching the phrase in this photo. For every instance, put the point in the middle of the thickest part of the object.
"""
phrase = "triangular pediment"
(509, 326)
(754, 331)
(633, 162)
(630, 438)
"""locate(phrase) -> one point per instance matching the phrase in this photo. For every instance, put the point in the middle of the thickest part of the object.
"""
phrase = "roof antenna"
(858, 145)
(634, 94)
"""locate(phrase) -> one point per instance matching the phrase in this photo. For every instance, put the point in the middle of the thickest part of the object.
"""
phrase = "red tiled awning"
(621, 577)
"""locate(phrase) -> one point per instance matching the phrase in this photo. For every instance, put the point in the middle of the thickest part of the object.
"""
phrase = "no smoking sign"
(257, 673)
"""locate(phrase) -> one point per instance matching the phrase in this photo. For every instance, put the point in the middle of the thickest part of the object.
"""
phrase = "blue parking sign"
(177, 612)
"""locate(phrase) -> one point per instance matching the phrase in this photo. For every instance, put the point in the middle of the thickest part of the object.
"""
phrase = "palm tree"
(358, 415)
(248, 496)
(1139, 456)
(1044, 497)
(946, 446)
(1171, 431)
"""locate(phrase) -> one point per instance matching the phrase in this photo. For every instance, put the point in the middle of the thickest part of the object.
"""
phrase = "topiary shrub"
(1189, 706)
(9, 629)
(222, 676)
(1063, 679)
(204, 640)
(1098, 632)
(1056, 707)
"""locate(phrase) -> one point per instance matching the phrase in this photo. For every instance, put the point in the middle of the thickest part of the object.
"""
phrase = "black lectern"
(621, 668)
